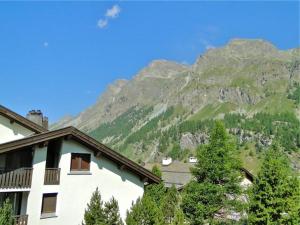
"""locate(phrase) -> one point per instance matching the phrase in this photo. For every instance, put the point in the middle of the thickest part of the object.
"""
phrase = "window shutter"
(75, 162)
(49, 203)
(80, 161)
(85, 161)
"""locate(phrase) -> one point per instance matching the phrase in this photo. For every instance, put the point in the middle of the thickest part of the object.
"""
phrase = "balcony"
(21, 220)
(15, 178)
(52, 176)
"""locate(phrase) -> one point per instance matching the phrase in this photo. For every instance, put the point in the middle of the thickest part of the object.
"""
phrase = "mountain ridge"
(243, 77)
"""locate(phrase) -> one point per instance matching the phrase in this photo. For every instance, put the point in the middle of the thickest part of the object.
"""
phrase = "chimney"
(37, 117)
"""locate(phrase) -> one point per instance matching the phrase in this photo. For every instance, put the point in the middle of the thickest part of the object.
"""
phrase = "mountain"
(144, 118)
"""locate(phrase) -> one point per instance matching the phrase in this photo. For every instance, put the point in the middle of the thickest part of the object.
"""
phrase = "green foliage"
(94, 214)
(97, 214)
(159, 205)
(201, 200)
(284, 126)
(218, 161)
(111, 212)
(216, 173)
(295, 95)
(175, 153)
(179, 217)
(147, 131)
(144, 212)
(122, 124)
(275, 196)
(169, 205)
(156, 171)
(6, 213)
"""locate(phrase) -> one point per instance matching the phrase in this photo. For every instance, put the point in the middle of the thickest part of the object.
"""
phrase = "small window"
(49, 203)
(80, 161)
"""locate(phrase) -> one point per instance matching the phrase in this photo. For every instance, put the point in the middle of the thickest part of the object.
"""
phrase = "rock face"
(191, 141)
(244, 76)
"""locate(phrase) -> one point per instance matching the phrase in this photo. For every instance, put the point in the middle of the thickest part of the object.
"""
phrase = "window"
(80, 161)
(49, 203)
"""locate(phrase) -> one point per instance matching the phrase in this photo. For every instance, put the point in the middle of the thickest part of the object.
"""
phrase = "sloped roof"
(14, 117)
(91, 143)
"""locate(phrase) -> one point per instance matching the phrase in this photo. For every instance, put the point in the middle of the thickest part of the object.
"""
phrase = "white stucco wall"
(74, 191)
(11, 131)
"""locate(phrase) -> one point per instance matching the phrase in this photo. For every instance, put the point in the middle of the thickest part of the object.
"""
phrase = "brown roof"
(177, 173)
(14, 117)
(86, 140)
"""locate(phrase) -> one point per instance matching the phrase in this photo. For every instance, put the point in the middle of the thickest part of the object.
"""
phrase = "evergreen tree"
(275, 196)
(156, 171)
(111, 212)
(144, 212)
(217, 175)
(179, 217)
(94, 214)
(169, 204)
(156, 191)
(6, 213)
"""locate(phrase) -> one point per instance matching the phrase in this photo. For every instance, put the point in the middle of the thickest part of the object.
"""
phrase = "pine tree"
(111, 212)
(6, 213)
(275, 196)
(144, 212)
(156, 191)
(179, 217)
(169, 205)
(156, 171)
(94, 214)
(217, 174)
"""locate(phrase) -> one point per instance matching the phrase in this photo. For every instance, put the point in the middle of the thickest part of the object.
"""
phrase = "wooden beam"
(97, 153)
(43, 144)
(68, 137)
(11, 121)
(122, 167)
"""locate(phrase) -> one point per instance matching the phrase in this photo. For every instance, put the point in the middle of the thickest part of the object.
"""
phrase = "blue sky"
(59, 57)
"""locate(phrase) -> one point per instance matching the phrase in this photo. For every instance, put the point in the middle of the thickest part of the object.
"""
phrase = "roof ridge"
(84, 139)
(21, 120)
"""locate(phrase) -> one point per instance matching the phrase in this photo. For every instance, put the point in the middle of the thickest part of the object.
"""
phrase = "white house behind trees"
(50, 175)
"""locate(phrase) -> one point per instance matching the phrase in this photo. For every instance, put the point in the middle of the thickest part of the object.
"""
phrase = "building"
(50, 175)
(179, 174)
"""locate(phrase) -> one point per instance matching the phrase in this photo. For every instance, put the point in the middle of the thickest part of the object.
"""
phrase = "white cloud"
(102, 23)
(45, 44)
(113, 12)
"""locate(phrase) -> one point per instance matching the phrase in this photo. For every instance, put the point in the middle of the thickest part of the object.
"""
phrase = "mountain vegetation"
(168, 109)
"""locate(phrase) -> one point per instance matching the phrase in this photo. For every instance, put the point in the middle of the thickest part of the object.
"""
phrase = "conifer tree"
(178, 217)
(111, 212)
(144, 212)
(156, 191)
(94, 214)
(217, 175)
(6, 213)
(169, 205)
(275, 196)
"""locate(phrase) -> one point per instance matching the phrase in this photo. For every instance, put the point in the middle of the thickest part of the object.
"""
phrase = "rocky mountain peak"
(162, 69)
(238, 50)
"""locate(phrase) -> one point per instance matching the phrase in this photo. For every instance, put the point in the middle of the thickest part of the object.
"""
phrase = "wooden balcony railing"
(52, 176)
(21, 220)
(15, 178)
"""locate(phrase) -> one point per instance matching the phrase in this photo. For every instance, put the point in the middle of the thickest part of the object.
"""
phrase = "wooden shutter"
(80, 161)
(49, 203)
(75, 162)
(85, 161)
